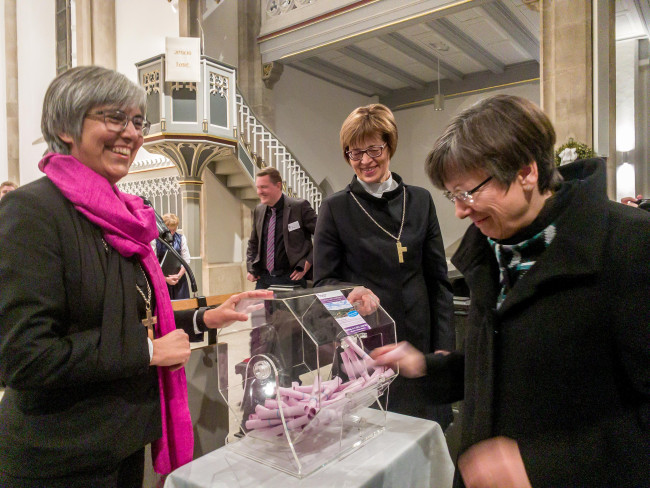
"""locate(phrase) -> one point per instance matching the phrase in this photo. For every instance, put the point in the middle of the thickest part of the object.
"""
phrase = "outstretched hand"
(229, 312)
(363, 300)
(408, 359)
(631, 201)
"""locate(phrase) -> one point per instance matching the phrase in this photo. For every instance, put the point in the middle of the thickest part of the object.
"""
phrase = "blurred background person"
(175, 278)
(88, 346)
(383, 234)
(556, 360)
(6, 187)
(280, 248)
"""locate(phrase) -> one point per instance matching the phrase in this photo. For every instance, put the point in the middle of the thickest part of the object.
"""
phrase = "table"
(410, 453)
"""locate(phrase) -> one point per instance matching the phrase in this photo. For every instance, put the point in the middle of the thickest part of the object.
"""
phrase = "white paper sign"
(183, 59)
(343, 312)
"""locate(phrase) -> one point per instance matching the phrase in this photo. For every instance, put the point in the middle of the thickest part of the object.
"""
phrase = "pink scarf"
(129, 226)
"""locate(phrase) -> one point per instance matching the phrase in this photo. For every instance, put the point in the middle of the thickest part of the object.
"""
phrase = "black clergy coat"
(350, 248)
(80, 394)
(563, 366)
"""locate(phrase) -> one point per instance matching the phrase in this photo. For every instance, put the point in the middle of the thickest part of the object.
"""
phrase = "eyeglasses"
(372, 151)
(116, 121)
(465, 196)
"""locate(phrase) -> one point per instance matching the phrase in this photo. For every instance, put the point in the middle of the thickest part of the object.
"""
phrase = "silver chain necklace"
(400, 249)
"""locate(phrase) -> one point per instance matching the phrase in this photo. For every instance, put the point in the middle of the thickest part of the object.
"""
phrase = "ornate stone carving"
(271, 73)
(151, 82)
(279, 7)
(179, 85)
(153, 187)
(218, 85)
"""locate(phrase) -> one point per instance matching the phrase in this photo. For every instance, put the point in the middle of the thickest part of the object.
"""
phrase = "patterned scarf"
(516, 259)
(129, 226)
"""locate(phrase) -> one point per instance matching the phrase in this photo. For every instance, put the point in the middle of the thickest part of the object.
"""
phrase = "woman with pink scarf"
(88, 383)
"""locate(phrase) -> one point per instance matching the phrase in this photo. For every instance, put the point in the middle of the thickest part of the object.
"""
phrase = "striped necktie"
(270, 243)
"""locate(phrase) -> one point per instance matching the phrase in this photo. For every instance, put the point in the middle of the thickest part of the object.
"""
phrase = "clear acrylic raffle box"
(298, 379)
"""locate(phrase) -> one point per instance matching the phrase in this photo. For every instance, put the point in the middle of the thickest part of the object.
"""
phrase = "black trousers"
(129, 473)
(267, 280)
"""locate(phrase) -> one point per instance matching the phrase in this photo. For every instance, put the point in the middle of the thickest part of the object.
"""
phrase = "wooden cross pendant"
(149, 321)
(400, 251)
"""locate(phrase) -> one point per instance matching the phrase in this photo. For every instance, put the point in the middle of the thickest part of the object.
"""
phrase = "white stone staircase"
(258, 147)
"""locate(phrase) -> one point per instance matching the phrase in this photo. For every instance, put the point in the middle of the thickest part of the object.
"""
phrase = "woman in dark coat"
(556, 360)
(89, 350)
(384, 235)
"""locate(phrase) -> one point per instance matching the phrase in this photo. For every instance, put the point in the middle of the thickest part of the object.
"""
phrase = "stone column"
(191, 206)
(577, 74)
(250, 73)
(95, 31)
(11, 70)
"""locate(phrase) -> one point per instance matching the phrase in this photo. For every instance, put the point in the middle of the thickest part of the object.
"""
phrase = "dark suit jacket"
(562, 366)
(297, 242)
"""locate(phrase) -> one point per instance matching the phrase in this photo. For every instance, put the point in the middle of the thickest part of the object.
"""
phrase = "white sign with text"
(183, 59)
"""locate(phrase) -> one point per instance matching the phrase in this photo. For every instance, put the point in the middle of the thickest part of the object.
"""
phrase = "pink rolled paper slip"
(288, 392)
(358, 366)
(260, 424)
(266, 413)
(291, 425)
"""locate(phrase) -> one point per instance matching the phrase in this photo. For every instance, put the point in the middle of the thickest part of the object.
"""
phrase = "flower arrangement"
(572, 150)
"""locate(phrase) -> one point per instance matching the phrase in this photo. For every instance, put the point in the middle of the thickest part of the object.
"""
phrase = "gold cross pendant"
(149, 321)
(400, 251)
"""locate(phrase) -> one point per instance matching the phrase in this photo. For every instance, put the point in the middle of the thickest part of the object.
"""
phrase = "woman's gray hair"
(75, 92)
(499, 136)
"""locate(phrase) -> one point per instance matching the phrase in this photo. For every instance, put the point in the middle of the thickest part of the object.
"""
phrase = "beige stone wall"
(11, 67)
(566, 71)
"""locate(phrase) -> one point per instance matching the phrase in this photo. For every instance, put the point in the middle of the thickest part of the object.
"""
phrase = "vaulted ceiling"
(474, 45)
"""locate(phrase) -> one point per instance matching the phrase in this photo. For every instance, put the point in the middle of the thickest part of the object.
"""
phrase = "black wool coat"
(563, 366)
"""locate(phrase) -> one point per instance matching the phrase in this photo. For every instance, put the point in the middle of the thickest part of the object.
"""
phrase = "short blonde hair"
(171, 220)
(371, 120)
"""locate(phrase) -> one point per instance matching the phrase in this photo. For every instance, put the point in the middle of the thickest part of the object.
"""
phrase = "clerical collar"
(378, 189)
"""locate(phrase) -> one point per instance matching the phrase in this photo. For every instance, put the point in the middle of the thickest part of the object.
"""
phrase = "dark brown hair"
(272, 173)
(498, 135)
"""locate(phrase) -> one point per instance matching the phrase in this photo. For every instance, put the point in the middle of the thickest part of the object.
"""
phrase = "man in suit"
(286, 257)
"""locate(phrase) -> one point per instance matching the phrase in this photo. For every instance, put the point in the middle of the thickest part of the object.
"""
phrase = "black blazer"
(297, 242)
(80, 393)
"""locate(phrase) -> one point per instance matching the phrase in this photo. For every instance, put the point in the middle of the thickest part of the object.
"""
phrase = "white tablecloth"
(410, 453)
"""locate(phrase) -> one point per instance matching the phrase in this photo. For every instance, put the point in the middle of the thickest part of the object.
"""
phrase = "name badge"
(294, 226)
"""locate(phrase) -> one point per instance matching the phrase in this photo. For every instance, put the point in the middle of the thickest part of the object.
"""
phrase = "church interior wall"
(224, 237)
(36, 68)
(221, 31)
(418, 129)
(140, 31)
(4, 166)
(308, 117)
